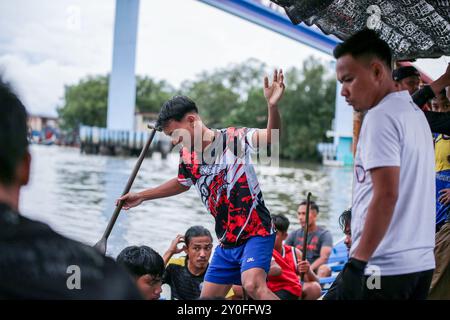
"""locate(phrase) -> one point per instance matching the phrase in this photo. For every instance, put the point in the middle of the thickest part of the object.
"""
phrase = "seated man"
(319, 242)
(185, 275)
(407, 78)
(146, 266)
(286, 285)
(345, 223)
(35, 261)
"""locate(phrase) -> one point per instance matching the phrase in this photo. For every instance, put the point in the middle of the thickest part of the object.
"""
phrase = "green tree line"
(231, 96)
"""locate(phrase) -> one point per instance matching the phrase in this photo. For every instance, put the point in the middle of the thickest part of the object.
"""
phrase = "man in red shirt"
(287, 285)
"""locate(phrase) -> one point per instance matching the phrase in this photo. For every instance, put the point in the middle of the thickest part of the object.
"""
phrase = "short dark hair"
(13, 133)
(175, 109)
(196, 231)
(345, 219)
(404, 72)
(281, 222)
(365, 43)
(312, 205)
(141, 260)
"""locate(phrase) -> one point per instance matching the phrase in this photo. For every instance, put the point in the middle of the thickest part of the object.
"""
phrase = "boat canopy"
(413, 29)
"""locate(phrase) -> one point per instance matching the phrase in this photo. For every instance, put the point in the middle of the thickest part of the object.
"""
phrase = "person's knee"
(312, 291)
(254, 287)
(251, 286)
(324, 271)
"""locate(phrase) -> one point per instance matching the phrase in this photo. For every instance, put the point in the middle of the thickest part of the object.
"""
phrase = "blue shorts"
(228, 264)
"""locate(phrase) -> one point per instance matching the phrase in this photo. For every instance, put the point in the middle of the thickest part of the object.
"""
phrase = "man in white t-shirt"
(393, 215)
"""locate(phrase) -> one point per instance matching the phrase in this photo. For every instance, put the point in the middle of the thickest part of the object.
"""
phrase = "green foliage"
(85, 103)
(214, 100)
(230, 96)
(307, 110)
(150, 94)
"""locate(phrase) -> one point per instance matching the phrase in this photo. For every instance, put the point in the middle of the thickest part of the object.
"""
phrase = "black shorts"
(286, 295)
(411, 286)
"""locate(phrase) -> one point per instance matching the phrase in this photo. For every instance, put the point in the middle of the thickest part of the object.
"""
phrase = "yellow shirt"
(442, 152)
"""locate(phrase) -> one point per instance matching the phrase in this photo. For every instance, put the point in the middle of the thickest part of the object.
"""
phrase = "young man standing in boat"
(393, 211)
(218, 163)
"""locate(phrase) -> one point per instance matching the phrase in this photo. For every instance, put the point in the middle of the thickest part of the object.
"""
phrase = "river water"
(75, 193)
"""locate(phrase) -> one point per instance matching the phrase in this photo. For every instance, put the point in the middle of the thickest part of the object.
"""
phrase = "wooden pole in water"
(101, 244)
(305, 235)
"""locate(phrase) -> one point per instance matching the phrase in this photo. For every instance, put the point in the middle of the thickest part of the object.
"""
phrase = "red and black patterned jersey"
(226, 180)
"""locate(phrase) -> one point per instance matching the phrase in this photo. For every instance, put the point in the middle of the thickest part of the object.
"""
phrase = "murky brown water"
(75, 194)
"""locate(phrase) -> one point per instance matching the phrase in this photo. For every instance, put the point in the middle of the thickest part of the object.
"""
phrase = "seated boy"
(287, 285)
(146, 266)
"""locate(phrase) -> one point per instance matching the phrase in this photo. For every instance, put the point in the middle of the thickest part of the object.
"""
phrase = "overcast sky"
(47, 44)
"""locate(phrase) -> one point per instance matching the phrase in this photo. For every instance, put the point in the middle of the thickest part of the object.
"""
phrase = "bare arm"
(441, 82)
(381, 209)
(273, 95)
(173, 249)
(167, 189)
(420, 97)
(275, 269)
(325, 253)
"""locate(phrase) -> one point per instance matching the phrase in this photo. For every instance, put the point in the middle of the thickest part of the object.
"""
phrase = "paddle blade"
(101, 246)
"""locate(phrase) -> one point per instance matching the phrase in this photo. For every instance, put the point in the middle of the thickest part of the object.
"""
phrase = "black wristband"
(357, 265)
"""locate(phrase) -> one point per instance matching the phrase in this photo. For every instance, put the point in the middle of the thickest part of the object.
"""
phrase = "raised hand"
(303, 266)
(173, 249)
(273, 92)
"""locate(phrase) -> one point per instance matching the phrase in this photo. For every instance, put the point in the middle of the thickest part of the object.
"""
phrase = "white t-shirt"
(395, 133)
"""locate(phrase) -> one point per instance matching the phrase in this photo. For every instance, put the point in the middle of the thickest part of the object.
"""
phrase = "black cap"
(404, 72)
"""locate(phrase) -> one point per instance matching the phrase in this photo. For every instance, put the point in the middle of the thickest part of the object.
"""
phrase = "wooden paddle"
(305, 235)
(101, 244)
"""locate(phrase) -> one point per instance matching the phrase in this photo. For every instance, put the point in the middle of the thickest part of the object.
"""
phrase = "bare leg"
(254, 283)
(324, 271)
(238, 292)
(311, 291)
(214, 291)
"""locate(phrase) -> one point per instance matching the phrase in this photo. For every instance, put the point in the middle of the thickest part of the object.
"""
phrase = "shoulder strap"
(294, 256)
